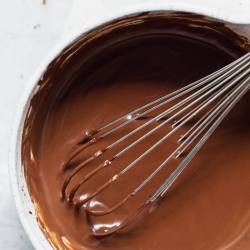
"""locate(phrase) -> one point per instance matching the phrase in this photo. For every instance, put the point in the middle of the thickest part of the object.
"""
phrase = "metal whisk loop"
(218, 92)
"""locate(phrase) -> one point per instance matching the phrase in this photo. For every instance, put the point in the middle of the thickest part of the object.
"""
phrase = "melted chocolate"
(106, 73)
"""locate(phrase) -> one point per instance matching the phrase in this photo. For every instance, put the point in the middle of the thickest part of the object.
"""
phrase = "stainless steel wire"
(211, 97)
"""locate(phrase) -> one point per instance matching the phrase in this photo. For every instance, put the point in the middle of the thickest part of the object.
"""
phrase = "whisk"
(210, 99)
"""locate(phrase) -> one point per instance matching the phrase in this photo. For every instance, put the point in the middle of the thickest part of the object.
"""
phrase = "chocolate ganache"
(106, 73)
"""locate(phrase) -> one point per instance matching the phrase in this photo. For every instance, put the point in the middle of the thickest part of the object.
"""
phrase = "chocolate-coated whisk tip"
(210, 99)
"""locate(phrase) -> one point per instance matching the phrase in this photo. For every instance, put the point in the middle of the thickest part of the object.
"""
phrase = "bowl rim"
(30, 224)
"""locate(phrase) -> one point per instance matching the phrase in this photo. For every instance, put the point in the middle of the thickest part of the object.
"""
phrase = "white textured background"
(28, 31)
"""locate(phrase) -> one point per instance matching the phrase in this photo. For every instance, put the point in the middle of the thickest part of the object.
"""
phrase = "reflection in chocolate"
(106, 73)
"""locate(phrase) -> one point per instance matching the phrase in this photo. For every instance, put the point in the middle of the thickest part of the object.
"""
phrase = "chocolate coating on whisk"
(103, 75)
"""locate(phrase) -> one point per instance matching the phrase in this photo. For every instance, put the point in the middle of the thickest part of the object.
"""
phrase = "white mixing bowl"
(22, 198)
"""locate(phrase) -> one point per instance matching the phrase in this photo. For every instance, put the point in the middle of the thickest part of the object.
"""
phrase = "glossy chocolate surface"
(108, 72)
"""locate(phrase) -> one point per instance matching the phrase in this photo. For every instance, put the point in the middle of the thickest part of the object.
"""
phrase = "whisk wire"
(212, 97)
(170, 180)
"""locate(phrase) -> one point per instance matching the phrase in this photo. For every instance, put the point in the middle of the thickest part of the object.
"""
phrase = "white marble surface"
(28, 31)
